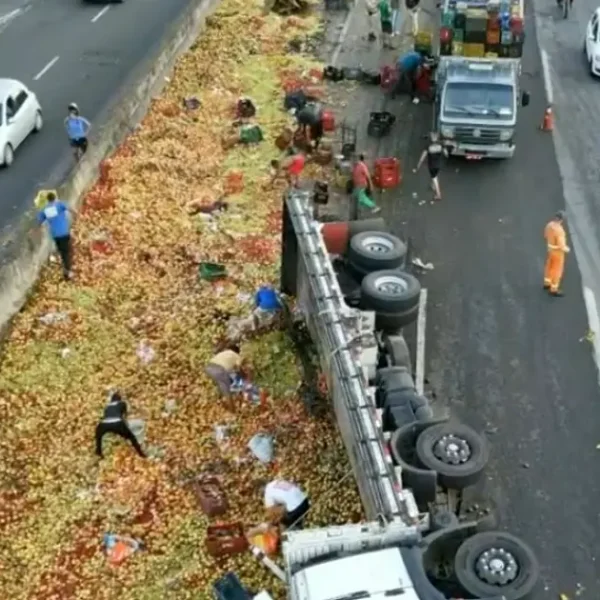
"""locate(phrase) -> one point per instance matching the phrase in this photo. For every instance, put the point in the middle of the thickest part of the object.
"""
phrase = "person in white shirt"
(286, 502)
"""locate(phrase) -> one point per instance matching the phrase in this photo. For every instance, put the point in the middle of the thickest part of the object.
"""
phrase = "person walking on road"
(556, 240)
(433, 154)
(77, 129)
(362, 185)
(113, 421)
(385, 17)
(55, 215)
(371, 6)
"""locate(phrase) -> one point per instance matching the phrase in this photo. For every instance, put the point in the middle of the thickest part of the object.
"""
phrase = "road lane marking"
(340, 42)
(421, 327)
(10, 16)
(46, 68)
(547, 76)
(102, 12)
(591, 308)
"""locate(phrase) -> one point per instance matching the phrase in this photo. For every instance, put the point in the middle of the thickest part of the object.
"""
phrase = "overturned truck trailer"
(417, 544)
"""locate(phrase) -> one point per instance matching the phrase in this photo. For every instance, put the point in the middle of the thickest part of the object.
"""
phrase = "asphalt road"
(501, 354)
(97, 46)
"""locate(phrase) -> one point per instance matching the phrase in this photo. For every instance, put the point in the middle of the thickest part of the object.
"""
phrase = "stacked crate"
(482, 29)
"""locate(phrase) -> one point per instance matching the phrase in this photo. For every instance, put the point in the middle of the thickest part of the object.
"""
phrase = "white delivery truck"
(416, 544)
(478, 91)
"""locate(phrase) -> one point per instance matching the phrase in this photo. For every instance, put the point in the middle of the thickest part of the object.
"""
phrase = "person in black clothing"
(310, 123)
(433, 154)
(113, 421)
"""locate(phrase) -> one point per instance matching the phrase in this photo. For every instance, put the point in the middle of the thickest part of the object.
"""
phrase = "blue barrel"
(229, 587)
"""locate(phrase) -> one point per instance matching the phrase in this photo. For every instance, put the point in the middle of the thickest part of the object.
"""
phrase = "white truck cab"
(377, 575)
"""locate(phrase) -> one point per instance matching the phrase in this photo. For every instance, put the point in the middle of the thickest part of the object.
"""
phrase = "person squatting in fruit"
(55, 215)
(223, 367)
(285, 503)
(114, 421)
(292, 166)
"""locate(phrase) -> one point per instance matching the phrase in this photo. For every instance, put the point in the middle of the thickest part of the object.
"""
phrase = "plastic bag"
(119, 548)
(263, 447)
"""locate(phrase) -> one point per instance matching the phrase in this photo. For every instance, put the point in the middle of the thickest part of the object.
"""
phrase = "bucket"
(138, 428)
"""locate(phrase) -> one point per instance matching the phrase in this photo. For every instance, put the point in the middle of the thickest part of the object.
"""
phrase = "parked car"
(591, 43)
(20, 115)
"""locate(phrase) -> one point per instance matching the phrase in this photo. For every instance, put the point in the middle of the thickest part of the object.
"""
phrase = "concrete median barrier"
(25, 249)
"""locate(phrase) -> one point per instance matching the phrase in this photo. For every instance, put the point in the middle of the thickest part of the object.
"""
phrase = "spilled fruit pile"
(139, 318)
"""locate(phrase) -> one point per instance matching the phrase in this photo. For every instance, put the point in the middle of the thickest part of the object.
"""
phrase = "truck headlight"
(506, 134)
(447, 132)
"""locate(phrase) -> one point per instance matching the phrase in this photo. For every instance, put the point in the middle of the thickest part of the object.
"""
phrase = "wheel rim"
(452, 450)
(390, 284)
(497, 566)
(377, 245)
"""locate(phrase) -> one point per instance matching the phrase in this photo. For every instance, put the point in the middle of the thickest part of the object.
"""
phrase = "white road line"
(102, 12)
(46, 68)
(343, 34)
(593, 321)
(11, 15)
(547, 76)
(421, 327)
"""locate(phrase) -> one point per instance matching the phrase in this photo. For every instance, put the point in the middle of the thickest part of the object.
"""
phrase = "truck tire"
(390, 293)
(375, 250)
(394, 379)
(394, 321)
(396, 348)
(443, 519)
(423, 413)
(496, 564)
(456, 452)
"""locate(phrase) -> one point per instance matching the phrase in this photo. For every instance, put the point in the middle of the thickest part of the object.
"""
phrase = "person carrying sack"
(362, 185)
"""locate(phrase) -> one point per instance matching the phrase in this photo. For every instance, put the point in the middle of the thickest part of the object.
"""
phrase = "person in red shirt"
(362, 185)
(292, 166)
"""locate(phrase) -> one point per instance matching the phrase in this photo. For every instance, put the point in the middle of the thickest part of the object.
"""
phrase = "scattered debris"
(145, 352)
(262, 447)
(118, 548)
(417, 262)
(52, 318)
(192, 103)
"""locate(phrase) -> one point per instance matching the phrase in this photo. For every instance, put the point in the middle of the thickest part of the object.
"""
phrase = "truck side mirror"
(525, 98)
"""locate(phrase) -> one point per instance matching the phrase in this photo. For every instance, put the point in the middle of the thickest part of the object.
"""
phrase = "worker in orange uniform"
(556, 239)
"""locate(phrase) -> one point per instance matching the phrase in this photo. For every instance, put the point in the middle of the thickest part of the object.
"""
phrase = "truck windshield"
(487, 100)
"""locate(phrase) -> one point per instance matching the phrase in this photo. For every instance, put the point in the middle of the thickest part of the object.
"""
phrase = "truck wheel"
(375, 250)
(397, 349)
(394, 321)
(390, 292)
(455, 452)
(496, 564)
(423, 413)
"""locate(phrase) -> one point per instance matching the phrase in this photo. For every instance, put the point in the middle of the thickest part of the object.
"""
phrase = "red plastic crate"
(389, 77)
(387, 173)
(328, 120)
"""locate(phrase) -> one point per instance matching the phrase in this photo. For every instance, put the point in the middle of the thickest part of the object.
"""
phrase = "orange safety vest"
(556, 237)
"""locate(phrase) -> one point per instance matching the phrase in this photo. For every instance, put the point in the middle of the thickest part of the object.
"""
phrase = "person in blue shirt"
(77, 129)
(266, 299)
(55, 215)
(408, 70)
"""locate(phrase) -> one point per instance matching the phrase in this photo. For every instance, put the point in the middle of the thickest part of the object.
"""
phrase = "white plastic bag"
(262, 446)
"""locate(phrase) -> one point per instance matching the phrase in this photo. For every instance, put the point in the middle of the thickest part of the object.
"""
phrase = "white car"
(20, 115)
(591, 46)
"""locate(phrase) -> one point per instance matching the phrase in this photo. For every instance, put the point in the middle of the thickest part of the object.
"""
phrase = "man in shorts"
(77, 129)
(55, 215)
(433, 154)
(362, 185)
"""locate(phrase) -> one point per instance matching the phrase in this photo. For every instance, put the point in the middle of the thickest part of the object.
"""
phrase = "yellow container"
(424, 38)
(491, 55)
(474, 50)
(458, 49)
(42, 198)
